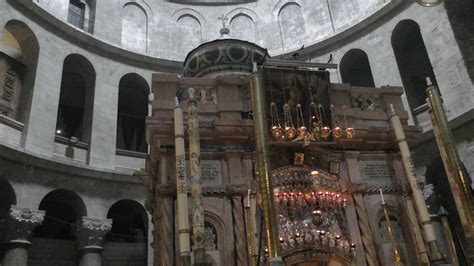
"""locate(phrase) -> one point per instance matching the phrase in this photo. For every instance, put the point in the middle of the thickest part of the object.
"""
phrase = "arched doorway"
(127, 240)
(132, 111)
(54, 240)
(19, 49)
(7, 198)
(76, 98)
(355, 69)
(413, 62)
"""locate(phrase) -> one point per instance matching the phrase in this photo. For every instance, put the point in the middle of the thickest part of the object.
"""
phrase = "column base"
(200, 257)
(90, 256)
(16, 254)
(274, 261)
(185, 260)
(435, 253)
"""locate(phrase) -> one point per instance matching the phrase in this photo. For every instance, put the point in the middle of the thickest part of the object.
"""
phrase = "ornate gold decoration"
(290, 131)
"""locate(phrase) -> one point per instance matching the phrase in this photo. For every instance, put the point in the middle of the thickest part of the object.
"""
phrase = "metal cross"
(224, 19)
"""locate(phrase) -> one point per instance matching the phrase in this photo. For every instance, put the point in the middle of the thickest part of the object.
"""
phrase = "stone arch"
(7, 198)
(189, 33)
(130, 222)
(242, 27)
(461, 20)
(413, 61)
(132, 110)
(278, 6)
(244, 11)
(292, 25)
(355, 69)
(19, 49)
(134, 27)
(76, 98)
(189, 12)
(64, 211)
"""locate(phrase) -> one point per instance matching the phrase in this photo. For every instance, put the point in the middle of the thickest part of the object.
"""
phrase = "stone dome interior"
(172, 28)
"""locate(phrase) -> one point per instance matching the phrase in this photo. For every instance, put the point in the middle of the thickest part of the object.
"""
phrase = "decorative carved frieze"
(92, 231)
(21, 222)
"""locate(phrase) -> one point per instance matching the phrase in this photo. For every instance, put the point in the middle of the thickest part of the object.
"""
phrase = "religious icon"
(299, 158)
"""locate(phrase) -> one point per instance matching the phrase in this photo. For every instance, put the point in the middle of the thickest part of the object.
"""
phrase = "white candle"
(381, 195)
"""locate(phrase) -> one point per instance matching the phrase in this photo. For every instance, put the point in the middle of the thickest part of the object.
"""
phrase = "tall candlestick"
(420, 203)
(458, 178)
(381, 196)
(181, 187)
(396, 253)
(196, 179)
(264, 168)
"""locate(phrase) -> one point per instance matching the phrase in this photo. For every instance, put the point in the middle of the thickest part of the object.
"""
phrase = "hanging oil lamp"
(337, 131)
(302, 130)
(276, 127)
(350, 132)
(290, 130)
(325, 130)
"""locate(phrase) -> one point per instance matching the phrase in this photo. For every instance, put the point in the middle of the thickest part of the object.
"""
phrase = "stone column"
(91, 236)
(165, 238)
(239, 228)
(354, 175)
(196, 181)
(20, 224)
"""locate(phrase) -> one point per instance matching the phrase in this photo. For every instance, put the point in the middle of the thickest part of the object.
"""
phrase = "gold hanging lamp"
(290, 131)
(276, 127)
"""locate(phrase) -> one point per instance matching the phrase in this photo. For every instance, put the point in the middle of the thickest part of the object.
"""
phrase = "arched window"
(292, 26)
(242, 28)
(134, 28)
(462, 22)
(189, 34)
(76, 98)
(355, 69)
(19, 49)
(132, 110)
(64, 209)
(413, 61)
(81, 14)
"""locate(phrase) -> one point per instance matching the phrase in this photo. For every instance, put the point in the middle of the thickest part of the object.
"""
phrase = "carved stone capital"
(20, 222)
(92, 231)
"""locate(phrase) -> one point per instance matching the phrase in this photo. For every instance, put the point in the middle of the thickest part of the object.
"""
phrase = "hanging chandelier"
(310, 207)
